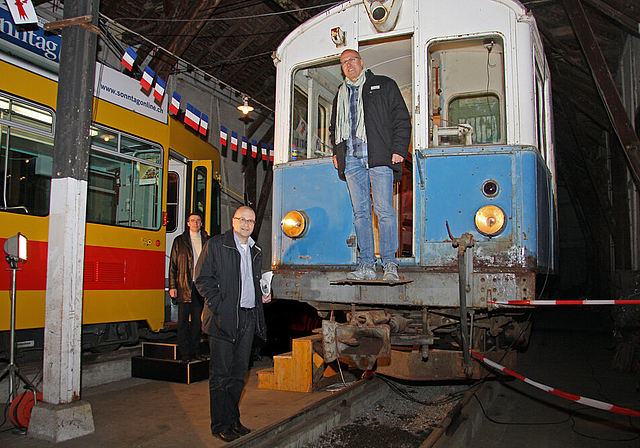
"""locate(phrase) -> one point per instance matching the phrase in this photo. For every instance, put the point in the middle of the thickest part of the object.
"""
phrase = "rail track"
(372, 412)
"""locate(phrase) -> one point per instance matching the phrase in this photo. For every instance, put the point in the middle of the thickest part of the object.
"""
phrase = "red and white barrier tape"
(578, 399)
(567, 302)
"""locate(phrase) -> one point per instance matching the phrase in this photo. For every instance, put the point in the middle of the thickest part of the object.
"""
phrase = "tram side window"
(124, 180)
(313, 92)
(26, 157)
(466, 92)
(541, 112)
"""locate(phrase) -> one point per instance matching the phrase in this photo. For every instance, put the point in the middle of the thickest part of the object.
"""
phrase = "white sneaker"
(390, 272)
(363, 272)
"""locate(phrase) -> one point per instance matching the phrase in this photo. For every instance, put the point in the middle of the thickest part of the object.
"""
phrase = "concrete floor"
(144, 413)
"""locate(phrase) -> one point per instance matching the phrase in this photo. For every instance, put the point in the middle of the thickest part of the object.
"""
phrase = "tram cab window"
(313, 92)
(26, 156)
(466, 92)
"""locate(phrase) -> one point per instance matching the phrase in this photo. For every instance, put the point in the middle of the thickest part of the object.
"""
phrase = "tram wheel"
(20, 409)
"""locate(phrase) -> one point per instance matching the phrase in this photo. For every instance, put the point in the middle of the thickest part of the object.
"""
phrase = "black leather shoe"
(240, 429)
(227, 435)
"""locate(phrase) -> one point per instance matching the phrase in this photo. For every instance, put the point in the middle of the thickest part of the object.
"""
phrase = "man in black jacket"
(370, 132)
(228, 277)
(184, 256)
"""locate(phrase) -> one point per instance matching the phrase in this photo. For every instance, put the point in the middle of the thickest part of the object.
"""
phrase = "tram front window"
(313, 92)
(466, 92)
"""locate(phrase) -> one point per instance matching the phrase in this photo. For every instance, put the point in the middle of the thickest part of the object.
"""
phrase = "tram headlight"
(490, 220)
(295, 223)
(383, 14)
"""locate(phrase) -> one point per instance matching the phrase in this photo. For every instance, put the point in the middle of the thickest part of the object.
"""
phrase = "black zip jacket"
(387, 123)
(218, 281)
(181, 265)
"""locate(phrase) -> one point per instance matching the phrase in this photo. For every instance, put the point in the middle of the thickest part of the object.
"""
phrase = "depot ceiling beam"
(606, 88)
(186, 32)
(627, 23)
(217, 43)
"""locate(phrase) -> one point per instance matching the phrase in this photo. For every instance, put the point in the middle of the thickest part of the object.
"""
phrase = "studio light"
(16, 250)
(16, 247)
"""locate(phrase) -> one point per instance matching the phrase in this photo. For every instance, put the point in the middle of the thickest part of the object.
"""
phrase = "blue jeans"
(227, 369)
(365, 183)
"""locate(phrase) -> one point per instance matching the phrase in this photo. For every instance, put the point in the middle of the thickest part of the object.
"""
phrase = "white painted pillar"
(63, 316)
(63, 415)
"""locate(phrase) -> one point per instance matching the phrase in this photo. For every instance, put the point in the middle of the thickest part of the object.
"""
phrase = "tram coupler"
(465, 274)
(364, 344)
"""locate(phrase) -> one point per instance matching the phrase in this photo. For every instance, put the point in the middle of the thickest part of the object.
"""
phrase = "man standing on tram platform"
(228, 277)
(370, 132)
(182, 288)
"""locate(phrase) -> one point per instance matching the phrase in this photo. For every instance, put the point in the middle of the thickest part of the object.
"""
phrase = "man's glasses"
(349, 61)
(195, 220)
(245, 221)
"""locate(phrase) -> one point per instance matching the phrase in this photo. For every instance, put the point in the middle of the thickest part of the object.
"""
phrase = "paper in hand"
(265, 283)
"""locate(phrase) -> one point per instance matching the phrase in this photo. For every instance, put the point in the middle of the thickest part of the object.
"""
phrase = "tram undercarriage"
(413, 330)
(423, 344)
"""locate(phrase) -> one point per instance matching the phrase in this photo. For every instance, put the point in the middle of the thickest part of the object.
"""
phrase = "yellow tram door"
(191, 187)
(205, 194)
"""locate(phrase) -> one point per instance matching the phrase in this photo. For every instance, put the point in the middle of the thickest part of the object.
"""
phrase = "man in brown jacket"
(184, 256)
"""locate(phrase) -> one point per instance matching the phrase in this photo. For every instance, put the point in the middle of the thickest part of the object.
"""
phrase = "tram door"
(191, 188)
(205, 195)
(393, 58)
(176, 223)
(176, 194)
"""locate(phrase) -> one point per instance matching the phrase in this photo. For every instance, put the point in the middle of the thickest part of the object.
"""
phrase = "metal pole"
(465, 275)
(464, 328)
(12, 331)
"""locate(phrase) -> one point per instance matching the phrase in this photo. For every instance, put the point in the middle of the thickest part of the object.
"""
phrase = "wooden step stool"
(295, 371)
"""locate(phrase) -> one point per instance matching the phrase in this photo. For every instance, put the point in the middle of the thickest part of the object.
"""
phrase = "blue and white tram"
(480, 174)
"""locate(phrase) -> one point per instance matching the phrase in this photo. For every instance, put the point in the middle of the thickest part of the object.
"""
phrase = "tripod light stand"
(16, 250)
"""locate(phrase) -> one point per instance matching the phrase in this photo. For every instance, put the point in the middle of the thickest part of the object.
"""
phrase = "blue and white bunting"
(158, 90)
(174, 107)
(223, 136)
(192, 116)
(129, 58)
(204, 124)
(147, 78)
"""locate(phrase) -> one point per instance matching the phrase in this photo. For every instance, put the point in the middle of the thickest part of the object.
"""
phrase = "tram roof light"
(16, 247)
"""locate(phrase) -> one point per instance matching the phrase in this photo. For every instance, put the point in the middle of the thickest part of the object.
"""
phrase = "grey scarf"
(343, 124)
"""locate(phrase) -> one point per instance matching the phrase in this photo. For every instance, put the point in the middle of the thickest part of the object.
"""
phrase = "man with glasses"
(370, 132)
(182, 288)
(228, 277)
